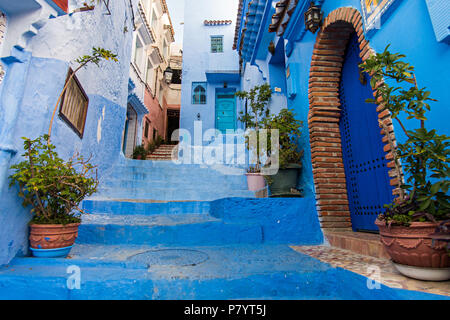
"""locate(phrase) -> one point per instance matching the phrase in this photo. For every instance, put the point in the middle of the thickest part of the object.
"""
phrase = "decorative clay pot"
(413, 246)
(52, 240)
(255, 181)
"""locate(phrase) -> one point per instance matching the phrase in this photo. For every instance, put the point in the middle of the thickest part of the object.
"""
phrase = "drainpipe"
(13, 86)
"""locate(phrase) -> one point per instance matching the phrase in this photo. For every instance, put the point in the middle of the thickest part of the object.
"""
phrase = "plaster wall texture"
(197, 57)
(33, 80)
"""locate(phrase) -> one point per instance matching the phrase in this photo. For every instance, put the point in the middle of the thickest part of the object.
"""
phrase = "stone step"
(172, 182)
(188, 273)
(129, 207)
(167, 230)
(170, 194)
(358, 242)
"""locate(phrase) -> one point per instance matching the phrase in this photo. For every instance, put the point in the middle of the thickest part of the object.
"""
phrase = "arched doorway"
(347, 181)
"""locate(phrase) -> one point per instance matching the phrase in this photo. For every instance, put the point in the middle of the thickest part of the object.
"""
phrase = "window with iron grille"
(216, 44)
(198, 92)
(74, 104)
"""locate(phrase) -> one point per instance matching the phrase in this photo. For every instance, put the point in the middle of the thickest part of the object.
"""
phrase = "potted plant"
(258, 99)
(415, 227)
(139, 152)
(284, 183)
(54, 188)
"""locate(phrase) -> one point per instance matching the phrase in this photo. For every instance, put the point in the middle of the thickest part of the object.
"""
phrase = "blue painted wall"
(407, 27)
(197, 57)
(33, 81)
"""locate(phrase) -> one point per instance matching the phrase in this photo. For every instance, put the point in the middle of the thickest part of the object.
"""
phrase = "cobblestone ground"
(360, 264)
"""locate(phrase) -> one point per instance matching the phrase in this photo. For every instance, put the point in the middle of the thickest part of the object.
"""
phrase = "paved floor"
(363, 265)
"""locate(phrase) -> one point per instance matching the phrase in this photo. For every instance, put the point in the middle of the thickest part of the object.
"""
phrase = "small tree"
(54, 187)
(424, 155)
(289, 134)
(258, 98)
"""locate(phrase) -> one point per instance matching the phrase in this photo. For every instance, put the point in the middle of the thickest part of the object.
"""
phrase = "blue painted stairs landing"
(167, 181)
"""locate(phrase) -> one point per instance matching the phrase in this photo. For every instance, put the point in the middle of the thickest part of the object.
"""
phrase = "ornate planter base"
(412, 246)
(52, 240)
(426, 274)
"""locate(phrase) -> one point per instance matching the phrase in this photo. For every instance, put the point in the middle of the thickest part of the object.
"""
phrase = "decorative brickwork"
(325, 112)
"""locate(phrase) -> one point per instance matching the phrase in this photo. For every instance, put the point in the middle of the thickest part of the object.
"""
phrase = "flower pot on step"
(413, 246)
(52, 240)
(255, 181)
(285, 180)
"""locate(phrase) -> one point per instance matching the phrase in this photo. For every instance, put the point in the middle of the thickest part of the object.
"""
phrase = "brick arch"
(324, 116)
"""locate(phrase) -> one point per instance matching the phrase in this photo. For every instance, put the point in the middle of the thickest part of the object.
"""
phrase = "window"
(139, 53)
(217, 44)
(176, 78)
(146, 128)
(74, 105)
(199, 93)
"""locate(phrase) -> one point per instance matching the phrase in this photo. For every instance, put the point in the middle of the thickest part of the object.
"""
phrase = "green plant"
(158, 141)
(140, 152)
(53, 187)
(289, 134)
(425, 153)
(258, 99)
(151, 147)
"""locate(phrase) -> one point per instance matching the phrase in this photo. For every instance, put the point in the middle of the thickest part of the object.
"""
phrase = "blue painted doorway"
(225, 109)
(368, 183)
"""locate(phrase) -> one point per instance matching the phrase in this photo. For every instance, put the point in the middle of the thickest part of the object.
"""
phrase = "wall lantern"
(313, 18)
(168, 74)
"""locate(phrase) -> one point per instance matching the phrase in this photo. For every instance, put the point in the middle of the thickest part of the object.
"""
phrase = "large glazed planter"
(52, 240)
(285, 180)
(412, 246)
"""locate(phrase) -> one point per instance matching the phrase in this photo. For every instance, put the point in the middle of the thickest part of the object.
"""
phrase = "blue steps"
(165, 180)
(229, 272)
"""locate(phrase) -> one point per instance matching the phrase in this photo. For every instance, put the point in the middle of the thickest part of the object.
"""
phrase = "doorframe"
(224, 90)
(324, 116)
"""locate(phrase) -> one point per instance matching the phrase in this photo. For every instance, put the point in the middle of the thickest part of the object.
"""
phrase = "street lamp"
(168, 74)
(313, 18)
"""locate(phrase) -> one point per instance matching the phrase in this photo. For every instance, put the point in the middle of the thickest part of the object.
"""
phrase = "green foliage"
(139, 152)
(51, 186)
(289, 134)
(258, 99)
(425, 154)
(151, 147)
(158, 141)
(98, 54)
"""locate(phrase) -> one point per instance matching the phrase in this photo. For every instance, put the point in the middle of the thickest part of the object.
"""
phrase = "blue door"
(368, 186)
(225, 109)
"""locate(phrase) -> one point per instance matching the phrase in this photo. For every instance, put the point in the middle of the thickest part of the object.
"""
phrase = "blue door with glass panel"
(366, 170)
(225, 109)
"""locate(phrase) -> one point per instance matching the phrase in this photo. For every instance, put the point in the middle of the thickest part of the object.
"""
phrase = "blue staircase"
(165, 180)
(138, 243)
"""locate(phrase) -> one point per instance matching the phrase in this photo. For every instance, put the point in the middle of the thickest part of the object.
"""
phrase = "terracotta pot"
(255, 181)
(412, 246)
(53, 236)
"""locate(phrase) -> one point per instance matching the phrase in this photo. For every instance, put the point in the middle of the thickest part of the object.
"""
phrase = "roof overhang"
(219, 76)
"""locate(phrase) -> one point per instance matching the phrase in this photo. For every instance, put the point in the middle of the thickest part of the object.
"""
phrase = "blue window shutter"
(439, 12)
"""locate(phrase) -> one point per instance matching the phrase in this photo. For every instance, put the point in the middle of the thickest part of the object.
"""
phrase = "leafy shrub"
(53, 187)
